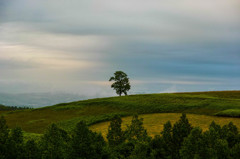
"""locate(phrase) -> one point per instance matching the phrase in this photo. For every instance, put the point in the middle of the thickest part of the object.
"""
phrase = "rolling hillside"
(66, 115)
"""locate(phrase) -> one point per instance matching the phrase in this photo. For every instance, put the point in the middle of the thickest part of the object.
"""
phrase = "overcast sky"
(75, 46)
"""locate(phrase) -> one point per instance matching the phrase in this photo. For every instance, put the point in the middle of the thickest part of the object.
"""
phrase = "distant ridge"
(37, 99)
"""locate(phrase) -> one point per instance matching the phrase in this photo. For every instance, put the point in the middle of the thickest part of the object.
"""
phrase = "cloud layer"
(76, 46)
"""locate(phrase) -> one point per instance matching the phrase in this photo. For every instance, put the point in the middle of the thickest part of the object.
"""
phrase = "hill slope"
(93, 111)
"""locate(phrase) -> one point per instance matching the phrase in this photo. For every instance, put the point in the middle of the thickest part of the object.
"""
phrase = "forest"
(177, 141)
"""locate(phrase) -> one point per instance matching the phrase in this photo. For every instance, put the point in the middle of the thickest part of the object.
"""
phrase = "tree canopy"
(177, 141)
(121, 84)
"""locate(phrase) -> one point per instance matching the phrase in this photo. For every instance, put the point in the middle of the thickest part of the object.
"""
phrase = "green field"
(66, 115)
(154, 122)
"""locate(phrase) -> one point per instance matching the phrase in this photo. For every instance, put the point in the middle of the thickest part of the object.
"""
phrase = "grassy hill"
(66, 115)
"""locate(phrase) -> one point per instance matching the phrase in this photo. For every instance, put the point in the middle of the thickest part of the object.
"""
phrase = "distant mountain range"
(38, 99)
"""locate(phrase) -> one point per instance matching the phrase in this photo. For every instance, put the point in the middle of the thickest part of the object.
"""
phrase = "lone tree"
(121, 84)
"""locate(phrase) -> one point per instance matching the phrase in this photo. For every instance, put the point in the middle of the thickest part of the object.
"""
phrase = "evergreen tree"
(124, 150)
(235, 151)
(32, 150)
(230, 133)
(192, 145)
(115, 134)
(167, 139)
(214, 146)
(181, 129)
(136, 131)
(17, 135)
(135, 134)
(180, 141)
(221, 148)
(16, 148)
(217, 129)
(54, 143)
(86, 144)
(142, 150)
(157, 147)
(4, 134)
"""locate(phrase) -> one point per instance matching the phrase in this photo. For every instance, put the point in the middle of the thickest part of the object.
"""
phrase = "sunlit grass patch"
(35, 121)
(31, 136)
(229, 113)
(69, 125)
(154, 122)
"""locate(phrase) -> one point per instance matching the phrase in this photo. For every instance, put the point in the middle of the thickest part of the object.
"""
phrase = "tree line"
(3, 107)
(178, 141)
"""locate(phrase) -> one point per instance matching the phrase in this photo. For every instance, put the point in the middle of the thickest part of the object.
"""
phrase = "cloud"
(76, 45)
(182, 82)
(18, 33)
(20, 55)
(171, 89)
(169, 20)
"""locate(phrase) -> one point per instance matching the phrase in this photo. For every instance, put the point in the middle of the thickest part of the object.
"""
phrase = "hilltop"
(66, 115)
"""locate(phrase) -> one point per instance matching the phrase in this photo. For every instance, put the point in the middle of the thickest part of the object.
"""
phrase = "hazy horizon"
(75, 46)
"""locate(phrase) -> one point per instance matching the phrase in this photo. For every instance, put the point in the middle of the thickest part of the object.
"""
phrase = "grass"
(154, 122)
(90, 120)
(229, 113)
(31, 136)
(66, 115)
